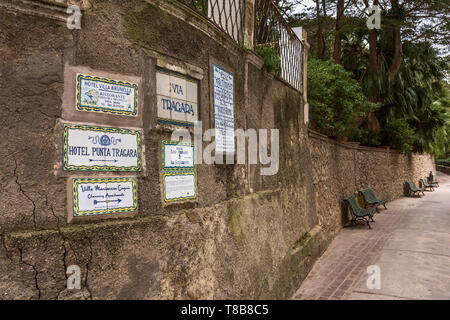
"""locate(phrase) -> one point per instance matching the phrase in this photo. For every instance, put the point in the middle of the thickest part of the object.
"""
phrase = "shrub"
(271, 57)
(336, 100)
(398, 134)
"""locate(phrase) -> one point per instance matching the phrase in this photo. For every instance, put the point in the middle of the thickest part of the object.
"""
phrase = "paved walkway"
(410, 243)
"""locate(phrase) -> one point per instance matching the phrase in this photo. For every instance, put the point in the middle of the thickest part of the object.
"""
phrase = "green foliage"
(443, 162)
(336, 100)
(271, 57)
(365, 137)
(408, 80)
(398, 134)
(415, 113)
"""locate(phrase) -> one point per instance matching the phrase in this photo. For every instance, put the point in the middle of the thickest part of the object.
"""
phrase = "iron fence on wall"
(274, 39)
(227, 14)
(278, 44)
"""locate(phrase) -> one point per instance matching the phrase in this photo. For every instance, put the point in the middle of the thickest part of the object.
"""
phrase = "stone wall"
(245, 236)
(341, 169)
(443, 169)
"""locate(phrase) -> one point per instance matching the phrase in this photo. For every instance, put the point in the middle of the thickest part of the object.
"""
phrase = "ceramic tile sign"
(177, 155)
(103, 95)
(92, 148)
(179, 186)
(103, 196)
(177, 97)
(223, 100)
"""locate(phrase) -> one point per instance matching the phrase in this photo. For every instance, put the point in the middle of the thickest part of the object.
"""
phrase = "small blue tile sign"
(96, 94)
(92, 148)
(177, 155)
(96, 196)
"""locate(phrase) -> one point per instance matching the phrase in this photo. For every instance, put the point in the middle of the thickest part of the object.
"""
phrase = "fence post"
(249, 24)
(302, 36)
(305, 75)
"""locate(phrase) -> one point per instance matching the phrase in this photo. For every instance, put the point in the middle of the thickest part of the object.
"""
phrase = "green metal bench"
(426, 185)
(413, 188)
(371, 199)
(359, 213)
(434, 183)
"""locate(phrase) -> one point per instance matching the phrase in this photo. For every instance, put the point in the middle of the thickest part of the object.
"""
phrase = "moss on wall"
(235, 211)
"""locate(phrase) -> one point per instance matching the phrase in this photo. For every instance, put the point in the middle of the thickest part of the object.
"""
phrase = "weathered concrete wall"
(246, 235)
(341, 169)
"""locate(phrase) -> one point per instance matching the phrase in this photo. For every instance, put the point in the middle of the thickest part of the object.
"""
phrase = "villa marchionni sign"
(103, 95)
(101, 149)
(94, 196)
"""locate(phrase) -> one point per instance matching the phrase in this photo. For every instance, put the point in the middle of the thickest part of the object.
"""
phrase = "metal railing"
(278, 44)
(226, 14)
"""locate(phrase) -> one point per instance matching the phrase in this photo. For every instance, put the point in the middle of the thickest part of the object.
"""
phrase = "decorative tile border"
(89, 100)
(103, 140)
(117, 197)
(221, 118)
(180, 144)
(177, 98)
(187, 196)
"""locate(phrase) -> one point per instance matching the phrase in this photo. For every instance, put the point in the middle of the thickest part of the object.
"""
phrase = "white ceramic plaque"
(179, 186)
(103, 196)
(103, 95)
(101, 148)
(177, 97)
(177, 155)
(223, 99)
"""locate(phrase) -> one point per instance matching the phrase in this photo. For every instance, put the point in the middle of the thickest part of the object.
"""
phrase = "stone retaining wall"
(443, 169)
(246, 236)
(341, 169)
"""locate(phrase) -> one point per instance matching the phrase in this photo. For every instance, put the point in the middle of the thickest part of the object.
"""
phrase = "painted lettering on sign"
(223, 99)
(103, 95)
(177, 155)
(179, 186)
(101, 148)
(177, 96)
(103, 196)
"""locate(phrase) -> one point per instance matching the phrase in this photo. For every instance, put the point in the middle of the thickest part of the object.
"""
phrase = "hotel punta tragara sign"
(95, 148)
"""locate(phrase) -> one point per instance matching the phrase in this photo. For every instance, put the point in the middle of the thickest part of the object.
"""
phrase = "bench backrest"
(369, 194)
(353, 204)
(425, 182)
(412, 185)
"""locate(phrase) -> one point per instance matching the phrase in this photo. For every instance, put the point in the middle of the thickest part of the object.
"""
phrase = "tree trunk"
(398, 50)
(398, 54)
(319, 34)
(373, 55)
(337, 39)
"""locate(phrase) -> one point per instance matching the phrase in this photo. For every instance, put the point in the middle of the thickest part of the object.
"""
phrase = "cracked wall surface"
(237, 241)
(340, 170)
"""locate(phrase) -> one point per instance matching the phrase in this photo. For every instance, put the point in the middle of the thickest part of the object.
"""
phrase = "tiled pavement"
(342, 268)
